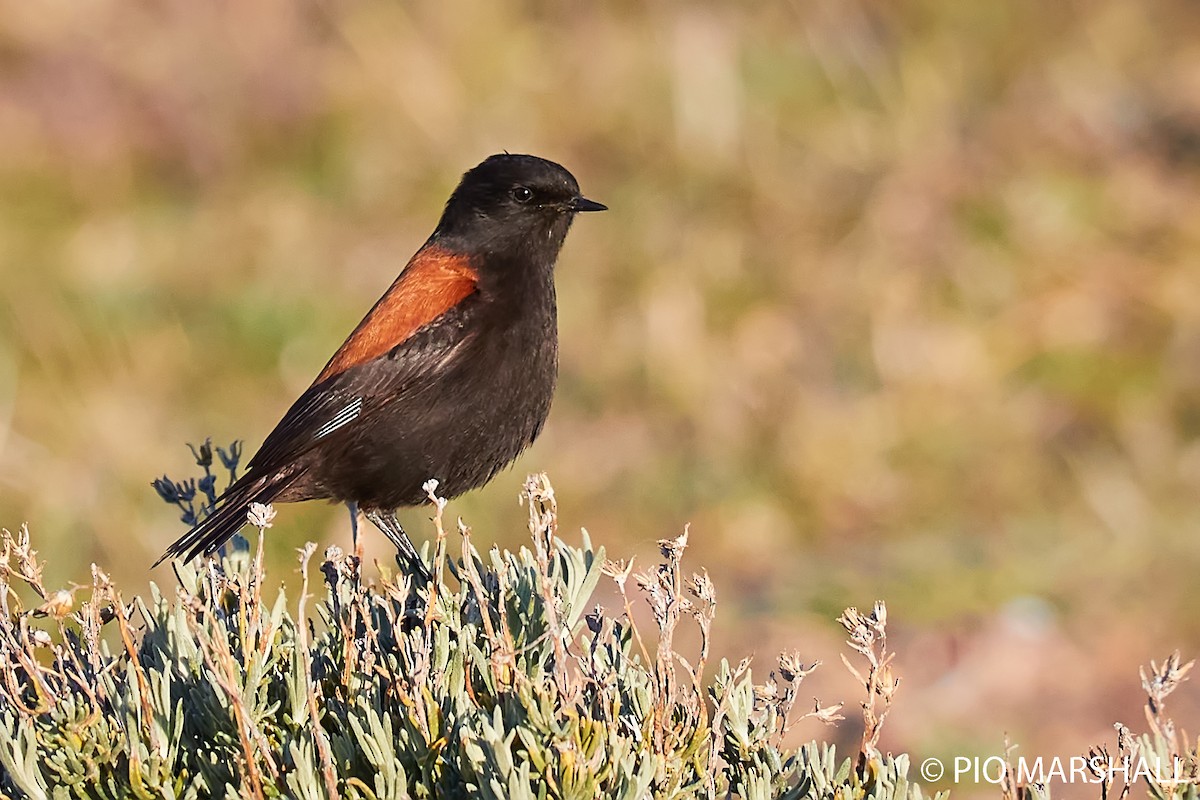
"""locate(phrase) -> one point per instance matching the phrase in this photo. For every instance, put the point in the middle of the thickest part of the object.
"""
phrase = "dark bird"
(449, 376)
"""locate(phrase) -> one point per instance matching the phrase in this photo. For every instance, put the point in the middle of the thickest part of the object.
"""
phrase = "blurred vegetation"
(893, 300)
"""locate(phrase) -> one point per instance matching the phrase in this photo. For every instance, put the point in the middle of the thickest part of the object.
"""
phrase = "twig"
(314, 711)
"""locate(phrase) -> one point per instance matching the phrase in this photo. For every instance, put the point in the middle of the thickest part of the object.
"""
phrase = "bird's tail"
(228, 518)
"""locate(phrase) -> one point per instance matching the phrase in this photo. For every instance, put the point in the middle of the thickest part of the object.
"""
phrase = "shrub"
(497, 679)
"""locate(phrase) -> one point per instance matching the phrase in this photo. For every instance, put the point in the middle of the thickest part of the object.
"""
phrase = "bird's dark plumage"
(449, 376)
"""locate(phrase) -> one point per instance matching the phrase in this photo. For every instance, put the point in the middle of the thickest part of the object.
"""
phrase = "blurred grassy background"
(894, 300)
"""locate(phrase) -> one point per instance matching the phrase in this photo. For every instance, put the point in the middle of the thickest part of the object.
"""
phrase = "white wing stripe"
(343, 417)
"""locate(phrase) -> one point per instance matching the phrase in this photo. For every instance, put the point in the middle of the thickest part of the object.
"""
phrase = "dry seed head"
(26, 567)
(858, 628)
(767, 691)
(672, 549)
(792, 669)
(59, 604)
(618, 570)
(829, 714)
(100, 577)
(657, 596)
(1124, 737)
(703, 589)
(886, 683)
(261, 515)
(1164, 679)
(430, 486)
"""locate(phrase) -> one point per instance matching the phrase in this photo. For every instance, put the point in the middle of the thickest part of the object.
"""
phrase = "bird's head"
(513, 203)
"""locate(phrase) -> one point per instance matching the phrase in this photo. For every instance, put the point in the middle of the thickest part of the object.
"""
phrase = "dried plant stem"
(146, 709)
(501, 657)
(543, 524)
(868, 637)
(218, 660)
(319, 736)
(439, 552)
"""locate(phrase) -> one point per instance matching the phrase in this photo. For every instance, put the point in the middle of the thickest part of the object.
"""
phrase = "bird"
(449, 376)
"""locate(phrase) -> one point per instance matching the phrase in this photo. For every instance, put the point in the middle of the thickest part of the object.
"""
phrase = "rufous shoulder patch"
(432, 283)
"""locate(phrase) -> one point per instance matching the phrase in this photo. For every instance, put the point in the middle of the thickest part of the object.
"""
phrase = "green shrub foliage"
(498, 679)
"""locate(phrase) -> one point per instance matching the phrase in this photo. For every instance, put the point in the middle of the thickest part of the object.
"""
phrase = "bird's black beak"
(583, 204)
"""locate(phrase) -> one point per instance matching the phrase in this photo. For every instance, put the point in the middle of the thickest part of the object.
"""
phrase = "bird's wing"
(432, 283)
(413, 333)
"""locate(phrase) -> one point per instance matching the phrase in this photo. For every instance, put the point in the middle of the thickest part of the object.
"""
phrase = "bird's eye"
(522, 194)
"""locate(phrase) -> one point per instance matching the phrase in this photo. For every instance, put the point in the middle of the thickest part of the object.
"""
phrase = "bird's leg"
(353, 508)
(386, 521)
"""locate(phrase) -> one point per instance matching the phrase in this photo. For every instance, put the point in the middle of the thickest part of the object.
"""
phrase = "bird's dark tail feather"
(220, 526)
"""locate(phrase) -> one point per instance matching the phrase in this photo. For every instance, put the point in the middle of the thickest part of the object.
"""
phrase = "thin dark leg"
(353, 507)
(386, 521)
